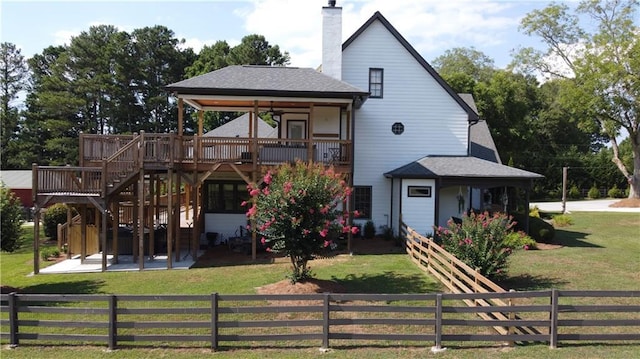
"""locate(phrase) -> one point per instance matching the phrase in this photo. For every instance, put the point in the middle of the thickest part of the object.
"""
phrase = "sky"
(431, 26)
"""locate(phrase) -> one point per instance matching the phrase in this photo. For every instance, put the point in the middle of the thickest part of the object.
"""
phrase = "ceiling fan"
(275, 114)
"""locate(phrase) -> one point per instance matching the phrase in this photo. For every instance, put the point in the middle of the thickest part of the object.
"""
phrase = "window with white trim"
(376, 77)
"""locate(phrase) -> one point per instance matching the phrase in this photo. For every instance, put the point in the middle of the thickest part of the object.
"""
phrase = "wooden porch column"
(200, 122)
(254, 177)
(180, 116)
(310, 136)
(170, 223)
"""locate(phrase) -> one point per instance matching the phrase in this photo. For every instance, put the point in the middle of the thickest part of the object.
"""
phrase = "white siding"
(326, 120)
(434, 123)
(227, 225)
(449, 203)
(418, 212)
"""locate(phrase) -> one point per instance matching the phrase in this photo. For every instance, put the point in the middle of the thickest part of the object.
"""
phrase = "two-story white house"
(407, 133)
(412, 148)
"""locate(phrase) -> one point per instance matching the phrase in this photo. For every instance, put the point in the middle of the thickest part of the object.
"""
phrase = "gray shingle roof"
(16, 179)
(239, 127)
(263, 80)
(482, 145)
(462, 166)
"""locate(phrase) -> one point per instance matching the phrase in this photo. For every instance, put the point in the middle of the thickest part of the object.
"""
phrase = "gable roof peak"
(377, 16)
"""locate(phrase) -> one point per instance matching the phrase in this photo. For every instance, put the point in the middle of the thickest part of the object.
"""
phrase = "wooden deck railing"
(98, 147)
(68, 180)
(171, 149)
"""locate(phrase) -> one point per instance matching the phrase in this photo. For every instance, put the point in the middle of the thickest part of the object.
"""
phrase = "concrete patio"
(92, 264)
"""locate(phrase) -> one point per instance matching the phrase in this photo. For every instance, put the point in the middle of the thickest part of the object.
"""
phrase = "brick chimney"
(332, 40)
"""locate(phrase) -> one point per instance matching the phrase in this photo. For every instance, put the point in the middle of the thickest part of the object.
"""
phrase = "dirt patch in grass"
(547, 246)
(311, 286)
(627, 203)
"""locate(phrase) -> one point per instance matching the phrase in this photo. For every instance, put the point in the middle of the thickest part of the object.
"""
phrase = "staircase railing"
(122, 165)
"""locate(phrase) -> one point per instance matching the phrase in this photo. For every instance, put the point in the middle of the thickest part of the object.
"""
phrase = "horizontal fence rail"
(328, 318)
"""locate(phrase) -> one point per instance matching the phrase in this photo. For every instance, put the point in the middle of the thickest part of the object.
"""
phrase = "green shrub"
(480, 242)
(49, 252)
(615, 192)
(520, 239)
(562, 220)
(574, 192)
(593, 193)
(52, 216)
(369, 230)
(10, 220)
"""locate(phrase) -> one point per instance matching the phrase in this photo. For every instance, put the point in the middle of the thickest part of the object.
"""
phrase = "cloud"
(431, 26)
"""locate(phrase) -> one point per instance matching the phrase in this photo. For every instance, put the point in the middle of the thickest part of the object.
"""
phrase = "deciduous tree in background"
(296, 208)
(602, 68)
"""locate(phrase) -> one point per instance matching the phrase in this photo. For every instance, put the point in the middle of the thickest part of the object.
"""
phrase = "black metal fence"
(325, 319)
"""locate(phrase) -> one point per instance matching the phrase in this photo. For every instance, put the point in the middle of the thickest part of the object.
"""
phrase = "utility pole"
(564, 189)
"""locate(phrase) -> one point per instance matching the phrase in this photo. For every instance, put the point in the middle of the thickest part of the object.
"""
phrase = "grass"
(599, 251)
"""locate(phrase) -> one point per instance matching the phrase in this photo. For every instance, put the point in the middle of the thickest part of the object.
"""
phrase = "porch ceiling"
(248, 104)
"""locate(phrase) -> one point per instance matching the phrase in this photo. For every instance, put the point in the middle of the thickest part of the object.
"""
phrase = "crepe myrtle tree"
(295, 210)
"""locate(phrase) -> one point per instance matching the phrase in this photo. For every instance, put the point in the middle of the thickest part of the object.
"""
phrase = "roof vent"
(332, 3)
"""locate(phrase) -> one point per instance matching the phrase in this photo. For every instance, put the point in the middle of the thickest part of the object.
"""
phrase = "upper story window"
(376, 77)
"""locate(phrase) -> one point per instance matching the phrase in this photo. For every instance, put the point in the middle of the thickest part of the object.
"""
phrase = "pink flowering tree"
(481, 241)
(295, 209)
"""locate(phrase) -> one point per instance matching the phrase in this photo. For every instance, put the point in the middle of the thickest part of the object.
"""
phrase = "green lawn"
(600, 251)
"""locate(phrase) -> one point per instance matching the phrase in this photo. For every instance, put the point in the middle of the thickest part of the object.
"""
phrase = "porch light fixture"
(275, 115)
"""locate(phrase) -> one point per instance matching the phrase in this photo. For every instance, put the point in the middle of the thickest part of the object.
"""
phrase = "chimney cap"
(332, 3)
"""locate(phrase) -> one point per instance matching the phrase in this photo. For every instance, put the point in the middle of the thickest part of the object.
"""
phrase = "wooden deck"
(109, 163)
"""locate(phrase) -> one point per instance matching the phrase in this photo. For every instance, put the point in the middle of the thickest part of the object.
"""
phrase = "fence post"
(438, 327)
(553, 320)
(13, 320)
(511, 330)
(113, 322)
(325, 321)
(214, 321)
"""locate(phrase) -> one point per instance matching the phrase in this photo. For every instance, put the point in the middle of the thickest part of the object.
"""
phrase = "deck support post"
(170, 223)
(149, 218)
(176, 217)
(115, 224)
(83, 233)
(36, 241)
(141, 226)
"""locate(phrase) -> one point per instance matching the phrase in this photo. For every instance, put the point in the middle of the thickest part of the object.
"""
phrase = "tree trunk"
(634, 179)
